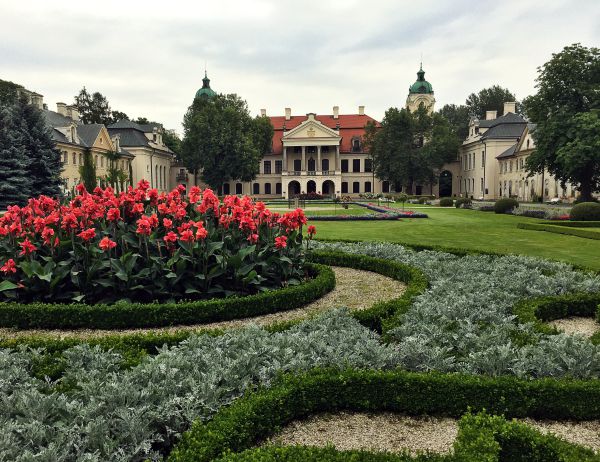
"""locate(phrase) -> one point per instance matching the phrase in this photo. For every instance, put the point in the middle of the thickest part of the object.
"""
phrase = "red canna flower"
(27, 247)
(201, 233)
(312, 231)
(113, 214)
(107, 244)
(144, 226)
(9, 267)
(170, 237)
(47, 234)
(167, 223)
(281, 242)
(187, 236)
(253, 238)
(87, 234)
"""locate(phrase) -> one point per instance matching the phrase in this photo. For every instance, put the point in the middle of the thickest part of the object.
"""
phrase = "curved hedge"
(118, 316)
(259, 415)
(543, 309)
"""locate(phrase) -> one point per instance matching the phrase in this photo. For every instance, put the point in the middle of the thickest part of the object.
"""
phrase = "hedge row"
(381, 316)
(259, 415)
(134, 315)
(559, 229)
(543, 309)
(573, 224)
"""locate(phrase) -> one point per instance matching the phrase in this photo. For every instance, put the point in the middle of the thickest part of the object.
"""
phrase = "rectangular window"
(278, 188)
(344, 187)
(356, 165)
(356, 187)
(368, 165)
(267, 166)
(344, 165)
(297, 165)
(278, 166)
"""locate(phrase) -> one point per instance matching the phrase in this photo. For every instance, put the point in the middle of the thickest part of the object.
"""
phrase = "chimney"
(73, 113)
(510, 107)
(361, 110)
(61, 108)
(263, 113)
(336, 112)
(490, 115)
(288, 113)
(37, 100)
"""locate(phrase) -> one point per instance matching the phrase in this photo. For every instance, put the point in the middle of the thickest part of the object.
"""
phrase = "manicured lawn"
(472, 230)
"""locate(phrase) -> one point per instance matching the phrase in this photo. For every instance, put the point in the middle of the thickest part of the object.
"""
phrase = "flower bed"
(145, 246)
(366, 217)
(385, 209)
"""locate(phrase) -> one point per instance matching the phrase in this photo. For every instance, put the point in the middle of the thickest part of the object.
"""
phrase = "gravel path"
(577, 325)
(374, 432)
(397, 432)
(354, 289)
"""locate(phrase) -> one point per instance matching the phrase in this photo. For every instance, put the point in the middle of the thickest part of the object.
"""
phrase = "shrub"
(311, 196)
(463, 202)
(143, 246)
(586, 211)
(446, 202)
(505, 205)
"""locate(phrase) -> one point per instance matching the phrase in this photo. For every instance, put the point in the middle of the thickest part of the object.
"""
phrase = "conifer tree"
(88, 172)
(15, 183)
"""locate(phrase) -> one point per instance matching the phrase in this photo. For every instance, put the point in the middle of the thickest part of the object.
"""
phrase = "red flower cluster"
(111, 221)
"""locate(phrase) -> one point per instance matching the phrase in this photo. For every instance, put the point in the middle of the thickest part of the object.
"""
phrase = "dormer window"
(356, 145)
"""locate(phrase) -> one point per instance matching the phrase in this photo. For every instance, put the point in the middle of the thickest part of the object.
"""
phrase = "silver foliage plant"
(129, 415)
(464, 323)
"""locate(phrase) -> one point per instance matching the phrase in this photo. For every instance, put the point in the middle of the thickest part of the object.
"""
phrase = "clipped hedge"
(446, 202)
(133, 315)
(259, 415)
(505, 205)
(573, 224)
(541, 310)
(586, 211)
(382, 316)
(567, 230)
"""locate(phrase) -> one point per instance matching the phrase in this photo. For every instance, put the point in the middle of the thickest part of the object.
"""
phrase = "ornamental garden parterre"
(466, 339)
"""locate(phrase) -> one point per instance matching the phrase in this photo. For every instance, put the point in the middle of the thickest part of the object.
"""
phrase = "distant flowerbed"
(367, 217)
(146, 246)
(387, 210)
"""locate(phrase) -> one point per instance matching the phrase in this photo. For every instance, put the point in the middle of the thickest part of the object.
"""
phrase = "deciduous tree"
(565, 109)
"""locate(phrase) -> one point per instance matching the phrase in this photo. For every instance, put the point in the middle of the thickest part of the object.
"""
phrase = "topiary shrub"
(446, 202)
(505, 205)
(586, 211)
(463, 202)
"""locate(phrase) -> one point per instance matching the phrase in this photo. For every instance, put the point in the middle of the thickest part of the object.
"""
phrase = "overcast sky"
(148, 57)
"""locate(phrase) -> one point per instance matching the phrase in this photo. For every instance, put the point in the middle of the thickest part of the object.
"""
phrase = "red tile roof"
(350, 125)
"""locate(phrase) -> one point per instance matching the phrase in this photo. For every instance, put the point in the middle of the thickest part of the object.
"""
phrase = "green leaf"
(7, 285)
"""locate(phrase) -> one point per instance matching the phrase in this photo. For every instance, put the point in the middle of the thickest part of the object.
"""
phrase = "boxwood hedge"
(133, 315)
(558, 229)
(259, 415)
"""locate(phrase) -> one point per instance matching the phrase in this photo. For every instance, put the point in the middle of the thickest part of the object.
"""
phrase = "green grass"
(470, 229)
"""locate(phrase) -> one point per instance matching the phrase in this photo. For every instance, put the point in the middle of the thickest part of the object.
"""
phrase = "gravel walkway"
(354, 289)
(397, 432)
(577, 325)
(374, 432)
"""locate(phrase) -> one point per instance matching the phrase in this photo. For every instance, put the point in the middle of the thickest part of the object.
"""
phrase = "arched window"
(355, 144)
(278, 188)
(311, 165)
(344, 187)
(355, 187)
(527, 143)
(325, 164)
(267, 188)
(74, 159)
(226, 189)
(65, 157)
(96, 161)
(367, 186)
(101, 161)
(80, 159)
(256, 188)
(238, 188)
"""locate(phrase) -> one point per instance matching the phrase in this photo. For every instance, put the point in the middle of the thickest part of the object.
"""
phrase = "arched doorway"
(328, 188)
(311, 187)
(293, 189)
(445, 184)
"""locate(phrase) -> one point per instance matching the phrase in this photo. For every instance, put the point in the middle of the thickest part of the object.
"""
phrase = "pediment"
(311, 128)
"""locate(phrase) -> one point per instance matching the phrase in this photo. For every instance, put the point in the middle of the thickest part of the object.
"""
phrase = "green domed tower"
(205, 91)
(420, 92)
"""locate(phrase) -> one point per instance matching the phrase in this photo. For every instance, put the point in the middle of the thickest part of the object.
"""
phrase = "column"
(318, 159)
(303, 165)
(284, 166)
(338, 164)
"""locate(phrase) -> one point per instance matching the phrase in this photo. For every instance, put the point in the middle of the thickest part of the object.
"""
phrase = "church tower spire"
(420, 92)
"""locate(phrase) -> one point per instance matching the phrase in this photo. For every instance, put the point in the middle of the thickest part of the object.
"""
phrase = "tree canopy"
(222, 141)
(565, 109)
(95, 109)
(489, 99)
(411, 148)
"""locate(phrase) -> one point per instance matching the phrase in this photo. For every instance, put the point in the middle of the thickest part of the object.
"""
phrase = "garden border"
(137, 315)
(560, 229)
(260, 414)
